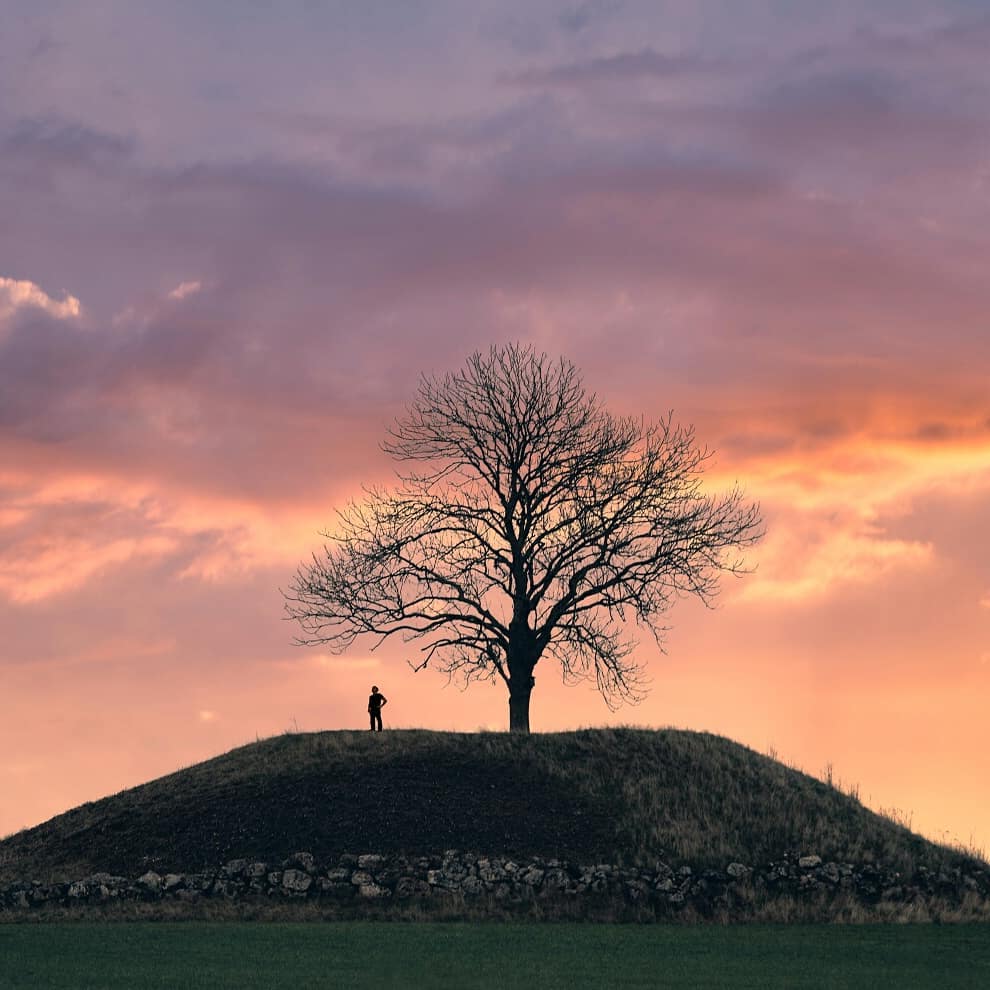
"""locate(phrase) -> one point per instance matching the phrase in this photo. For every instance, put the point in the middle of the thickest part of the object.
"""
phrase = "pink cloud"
(218, 290)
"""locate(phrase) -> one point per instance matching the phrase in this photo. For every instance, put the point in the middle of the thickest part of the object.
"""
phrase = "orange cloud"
(824, 504)
(48, 565)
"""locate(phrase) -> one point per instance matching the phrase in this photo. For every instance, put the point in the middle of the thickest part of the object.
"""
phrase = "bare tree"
(530, 523)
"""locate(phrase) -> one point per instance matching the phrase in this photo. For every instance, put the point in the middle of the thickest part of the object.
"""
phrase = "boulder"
(173, 881)
(533, 877)
(150, 882)
(301, 861)
(296, 881)
(233, 869)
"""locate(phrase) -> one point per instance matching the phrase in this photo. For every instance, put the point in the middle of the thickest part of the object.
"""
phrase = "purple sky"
(232, 237)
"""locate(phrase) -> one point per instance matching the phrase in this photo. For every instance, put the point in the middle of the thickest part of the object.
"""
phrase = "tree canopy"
(528, 523)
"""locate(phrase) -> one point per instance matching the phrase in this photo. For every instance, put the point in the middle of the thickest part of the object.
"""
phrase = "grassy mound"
(624, 796)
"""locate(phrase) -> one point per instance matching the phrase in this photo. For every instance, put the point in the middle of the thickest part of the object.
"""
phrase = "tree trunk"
(519, 695)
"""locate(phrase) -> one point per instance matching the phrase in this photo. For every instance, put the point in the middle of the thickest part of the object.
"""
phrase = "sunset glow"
(222, 274)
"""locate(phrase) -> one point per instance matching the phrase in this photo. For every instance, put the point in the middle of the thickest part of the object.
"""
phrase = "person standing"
(376, 703)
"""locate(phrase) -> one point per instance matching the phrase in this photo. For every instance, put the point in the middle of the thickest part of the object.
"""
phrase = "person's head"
(374, 689)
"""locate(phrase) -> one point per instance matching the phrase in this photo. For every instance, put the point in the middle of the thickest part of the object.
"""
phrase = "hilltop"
(624, 796)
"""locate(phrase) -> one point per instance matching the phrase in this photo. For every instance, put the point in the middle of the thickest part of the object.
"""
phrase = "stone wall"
(469, 877)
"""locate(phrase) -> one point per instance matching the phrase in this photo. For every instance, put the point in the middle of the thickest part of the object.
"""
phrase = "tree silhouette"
(530, 523)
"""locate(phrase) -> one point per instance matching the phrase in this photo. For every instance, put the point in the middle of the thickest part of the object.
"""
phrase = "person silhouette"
(376, 703)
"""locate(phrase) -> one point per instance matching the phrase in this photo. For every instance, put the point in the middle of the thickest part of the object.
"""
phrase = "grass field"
(465, 957)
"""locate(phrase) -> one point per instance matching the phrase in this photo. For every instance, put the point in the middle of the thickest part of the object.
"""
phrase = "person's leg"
(371, 716)
(378, 719)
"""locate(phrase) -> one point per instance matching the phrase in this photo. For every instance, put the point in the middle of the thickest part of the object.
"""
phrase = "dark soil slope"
(628, 796)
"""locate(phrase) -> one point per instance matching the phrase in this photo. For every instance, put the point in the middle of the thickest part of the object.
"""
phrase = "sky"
(234, 235)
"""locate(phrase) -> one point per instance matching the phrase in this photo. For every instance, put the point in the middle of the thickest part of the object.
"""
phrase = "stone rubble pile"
(372, 877)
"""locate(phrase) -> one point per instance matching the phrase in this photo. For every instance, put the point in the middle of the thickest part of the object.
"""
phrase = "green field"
(502, 956)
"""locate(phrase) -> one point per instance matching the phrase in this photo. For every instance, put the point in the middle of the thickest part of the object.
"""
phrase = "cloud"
(842, 505)
(49, 143)
(18, 294)
(44, 567)
(798, 563)
(622, 67)
(59, 535)
(184, 289)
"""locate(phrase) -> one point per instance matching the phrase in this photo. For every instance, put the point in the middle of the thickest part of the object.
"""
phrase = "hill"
(624, 796)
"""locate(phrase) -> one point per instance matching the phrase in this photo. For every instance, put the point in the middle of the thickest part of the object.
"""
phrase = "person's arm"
(384, 701)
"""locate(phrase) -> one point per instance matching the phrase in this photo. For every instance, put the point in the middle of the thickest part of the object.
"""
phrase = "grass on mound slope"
(604, 795)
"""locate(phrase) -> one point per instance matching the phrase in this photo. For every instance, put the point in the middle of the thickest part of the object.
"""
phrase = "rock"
(406, 887)
(472, 886)
(233, 869)
(229, 889)
(452, 873)
(490, 871)
(38, 895)
(296, 881)
(301, 861)
(451, 877)
(533, 877)
(173, 881)
(150, 882)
